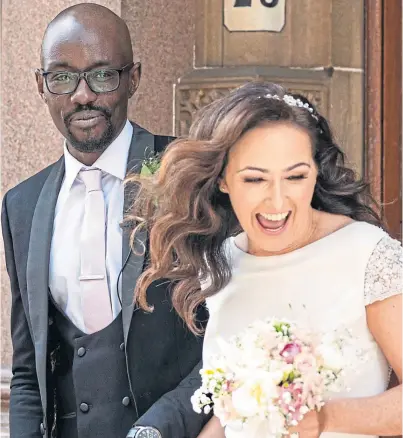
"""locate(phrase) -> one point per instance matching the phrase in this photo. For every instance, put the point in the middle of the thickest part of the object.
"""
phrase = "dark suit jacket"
(161, 380)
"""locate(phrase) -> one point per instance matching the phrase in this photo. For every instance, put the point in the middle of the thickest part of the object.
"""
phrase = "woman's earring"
(222, 188)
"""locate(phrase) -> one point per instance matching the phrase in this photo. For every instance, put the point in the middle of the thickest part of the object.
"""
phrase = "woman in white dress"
(258, 206)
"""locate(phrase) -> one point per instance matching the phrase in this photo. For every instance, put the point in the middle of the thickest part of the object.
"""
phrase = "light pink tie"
(96, 301)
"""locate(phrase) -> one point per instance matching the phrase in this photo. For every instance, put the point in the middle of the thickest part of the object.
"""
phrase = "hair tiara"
(292, 101)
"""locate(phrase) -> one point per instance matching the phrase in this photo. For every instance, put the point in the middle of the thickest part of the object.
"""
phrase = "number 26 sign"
(254, 15)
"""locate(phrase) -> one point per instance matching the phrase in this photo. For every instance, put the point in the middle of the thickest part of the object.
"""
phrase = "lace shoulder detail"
(383, 275)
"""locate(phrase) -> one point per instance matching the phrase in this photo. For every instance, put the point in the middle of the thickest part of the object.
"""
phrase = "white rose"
(244, 401)
(269, 384)
(332, 357)
(254, 395)
(277, 377)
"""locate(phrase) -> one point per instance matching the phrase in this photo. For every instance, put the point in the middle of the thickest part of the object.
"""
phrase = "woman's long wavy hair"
(188, 218)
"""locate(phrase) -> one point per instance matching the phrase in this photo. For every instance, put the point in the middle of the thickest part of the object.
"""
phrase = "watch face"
(148, 433)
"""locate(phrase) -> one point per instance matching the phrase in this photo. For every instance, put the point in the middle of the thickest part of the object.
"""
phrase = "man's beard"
(91, 144)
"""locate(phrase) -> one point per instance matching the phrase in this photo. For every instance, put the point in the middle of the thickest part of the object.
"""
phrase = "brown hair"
(189, 219)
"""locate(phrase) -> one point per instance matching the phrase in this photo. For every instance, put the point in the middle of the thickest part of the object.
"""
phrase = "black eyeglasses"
(102, 80)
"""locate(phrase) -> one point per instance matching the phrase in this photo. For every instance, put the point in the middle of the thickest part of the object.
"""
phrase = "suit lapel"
(142, 145)
(38, 267)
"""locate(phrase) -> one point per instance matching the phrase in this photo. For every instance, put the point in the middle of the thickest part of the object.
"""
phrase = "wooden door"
(383, 108)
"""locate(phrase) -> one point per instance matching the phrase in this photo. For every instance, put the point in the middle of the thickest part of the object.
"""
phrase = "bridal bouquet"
(272, 371)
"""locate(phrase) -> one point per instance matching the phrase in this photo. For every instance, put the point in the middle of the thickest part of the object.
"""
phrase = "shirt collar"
(113, 161)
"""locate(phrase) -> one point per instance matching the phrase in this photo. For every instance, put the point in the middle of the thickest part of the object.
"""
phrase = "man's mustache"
(105, 111)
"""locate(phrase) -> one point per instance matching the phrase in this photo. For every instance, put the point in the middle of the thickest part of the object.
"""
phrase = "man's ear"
(135, 76)
(40, 84)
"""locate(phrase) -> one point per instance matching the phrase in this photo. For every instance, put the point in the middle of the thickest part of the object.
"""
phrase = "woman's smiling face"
(270, 179)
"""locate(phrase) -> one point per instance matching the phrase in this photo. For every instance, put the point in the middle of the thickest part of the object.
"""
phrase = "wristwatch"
(143, 432)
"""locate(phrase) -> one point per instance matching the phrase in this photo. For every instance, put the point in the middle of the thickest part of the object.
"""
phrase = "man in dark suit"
(87, 363)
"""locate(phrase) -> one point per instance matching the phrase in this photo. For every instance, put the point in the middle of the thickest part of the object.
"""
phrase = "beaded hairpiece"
(291, 101)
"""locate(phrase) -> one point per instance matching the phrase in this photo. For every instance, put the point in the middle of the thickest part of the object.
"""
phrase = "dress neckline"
(306, 249)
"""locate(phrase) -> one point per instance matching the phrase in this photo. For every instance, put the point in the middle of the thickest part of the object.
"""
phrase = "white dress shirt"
(64, 267)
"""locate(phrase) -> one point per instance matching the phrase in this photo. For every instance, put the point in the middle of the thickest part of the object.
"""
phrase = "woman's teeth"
(274, 217)
(273, 223)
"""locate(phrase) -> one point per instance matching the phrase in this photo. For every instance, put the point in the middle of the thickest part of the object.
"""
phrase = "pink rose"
(290, 351)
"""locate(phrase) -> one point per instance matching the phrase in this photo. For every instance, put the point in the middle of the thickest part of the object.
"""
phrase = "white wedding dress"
(323, 286)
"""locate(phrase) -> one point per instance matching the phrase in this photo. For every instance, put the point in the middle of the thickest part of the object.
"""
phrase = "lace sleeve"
(383, 276)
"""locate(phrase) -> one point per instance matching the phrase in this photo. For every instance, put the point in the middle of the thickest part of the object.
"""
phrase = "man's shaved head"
(91, 39)
(86, 21)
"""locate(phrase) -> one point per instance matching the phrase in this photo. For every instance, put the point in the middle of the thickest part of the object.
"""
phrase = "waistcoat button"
(126, 401)
(84, 407)
(81, 352)
(42, 429)
(122, 346)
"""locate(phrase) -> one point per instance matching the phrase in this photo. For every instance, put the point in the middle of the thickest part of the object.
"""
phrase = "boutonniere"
(150, 165)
